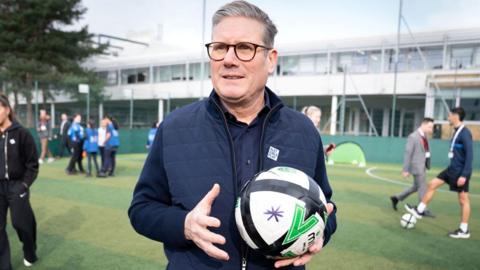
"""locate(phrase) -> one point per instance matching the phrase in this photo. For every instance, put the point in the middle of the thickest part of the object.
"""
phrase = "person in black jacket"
(205, 152)
(18, 170)
(63, 134)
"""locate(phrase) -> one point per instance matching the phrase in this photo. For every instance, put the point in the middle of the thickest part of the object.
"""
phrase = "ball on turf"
(281, 212)
(408, 221)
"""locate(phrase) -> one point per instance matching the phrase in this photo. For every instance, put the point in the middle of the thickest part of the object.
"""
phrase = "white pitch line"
(369, 171)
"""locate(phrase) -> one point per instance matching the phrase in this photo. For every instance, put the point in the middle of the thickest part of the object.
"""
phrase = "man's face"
(64, 117)
(235, 81)
(428, 128)
(453, 118)
(315, 117)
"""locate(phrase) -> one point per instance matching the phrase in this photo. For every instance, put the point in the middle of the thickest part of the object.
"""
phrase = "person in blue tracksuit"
(91, 147)
(456, 175)
(151, 134)
(205, 152)
(76, 133)
(112, 142)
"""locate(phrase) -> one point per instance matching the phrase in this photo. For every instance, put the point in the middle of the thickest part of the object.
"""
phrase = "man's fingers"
(285, 262)
(329, 208)
(316, 247)
(304, 259)
(209, 221)
(211, 196)
(211, 237)
(215, 252)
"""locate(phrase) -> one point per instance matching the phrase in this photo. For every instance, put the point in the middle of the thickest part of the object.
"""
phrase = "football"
(281, 212)
(408, 221)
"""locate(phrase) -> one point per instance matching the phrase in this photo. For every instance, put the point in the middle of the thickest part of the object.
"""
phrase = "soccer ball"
(281, 212)
(408, 221)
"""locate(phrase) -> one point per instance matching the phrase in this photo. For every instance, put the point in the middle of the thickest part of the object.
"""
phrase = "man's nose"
(230, 57)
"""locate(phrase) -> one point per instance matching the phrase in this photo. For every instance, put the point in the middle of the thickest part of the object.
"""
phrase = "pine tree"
(37, 43)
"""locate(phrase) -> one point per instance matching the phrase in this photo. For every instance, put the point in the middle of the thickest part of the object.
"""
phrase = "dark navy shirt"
(246, 141)
(461, 162)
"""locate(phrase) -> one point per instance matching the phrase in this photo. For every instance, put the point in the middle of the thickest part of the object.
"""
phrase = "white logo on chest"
(12, 141)
(273, 153)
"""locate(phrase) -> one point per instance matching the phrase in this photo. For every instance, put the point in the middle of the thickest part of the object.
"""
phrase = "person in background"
(63, 135)
(112, 142)
(416, 162)
(315, 115)
(45, 134)
(17, 174)
(76, 134)
(102, 133)
(91, 147)
(151, 134)
(456, 175)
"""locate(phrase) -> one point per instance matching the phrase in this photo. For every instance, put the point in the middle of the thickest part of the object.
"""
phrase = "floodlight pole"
(36, 103)
(202, 62)
(394, 102)
(131, 108)
(343, 102)
(88, 106)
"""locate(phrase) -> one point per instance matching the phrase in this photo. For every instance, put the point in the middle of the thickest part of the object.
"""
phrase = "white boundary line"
(369, 171)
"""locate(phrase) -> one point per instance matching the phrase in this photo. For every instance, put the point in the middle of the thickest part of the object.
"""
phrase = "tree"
(36, 44)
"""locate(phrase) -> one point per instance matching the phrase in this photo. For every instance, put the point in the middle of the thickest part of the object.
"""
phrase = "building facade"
(351, 80)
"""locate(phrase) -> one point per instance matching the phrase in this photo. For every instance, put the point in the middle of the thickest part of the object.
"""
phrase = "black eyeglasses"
(245, 51)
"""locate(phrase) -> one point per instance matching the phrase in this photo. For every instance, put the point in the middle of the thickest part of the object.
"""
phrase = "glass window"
(441, 108)
(470, 101)
(476, 57)
(375, 62)
(162, 74)
(414, 60)
(321, 64)
(461, 57)
(344, 59)
(359, 62)
(290, 65)
(132, 76)
(109, 77)
(307, 64)
(178, 73)
(195, 71)
(434, 56)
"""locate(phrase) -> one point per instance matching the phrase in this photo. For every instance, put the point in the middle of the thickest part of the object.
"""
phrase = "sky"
(297, 21)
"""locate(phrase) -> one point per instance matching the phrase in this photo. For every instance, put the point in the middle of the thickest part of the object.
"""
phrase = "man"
(76, 134)
(63, 132)
(416, 160)
(205, 152)
(456, 175)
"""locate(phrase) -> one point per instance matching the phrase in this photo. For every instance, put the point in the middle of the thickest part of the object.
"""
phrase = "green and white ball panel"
(301, 245)
(286, 174)
(282, 208)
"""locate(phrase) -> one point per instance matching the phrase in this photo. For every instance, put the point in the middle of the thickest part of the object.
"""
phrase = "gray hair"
(245, 9)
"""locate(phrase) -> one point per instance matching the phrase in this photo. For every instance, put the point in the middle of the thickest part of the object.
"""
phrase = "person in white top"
(102, 134)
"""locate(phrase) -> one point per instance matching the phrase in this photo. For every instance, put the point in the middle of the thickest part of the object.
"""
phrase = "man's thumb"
(211, 195)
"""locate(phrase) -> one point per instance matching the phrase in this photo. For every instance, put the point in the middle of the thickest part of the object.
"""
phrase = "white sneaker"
(40, 161)
(459, 234)
(27, 263)
(50, 160)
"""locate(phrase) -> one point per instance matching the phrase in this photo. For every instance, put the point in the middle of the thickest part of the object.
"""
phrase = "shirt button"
(248, 162)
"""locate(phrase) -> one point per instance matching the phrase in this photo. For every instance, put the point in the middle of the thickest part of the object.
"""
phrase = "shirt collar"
(421, 133)
(267, 107)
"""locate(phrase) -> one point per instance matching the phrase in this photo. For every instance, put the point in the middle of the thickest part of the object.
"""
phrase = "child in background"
(151, 134)
(91, 147)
